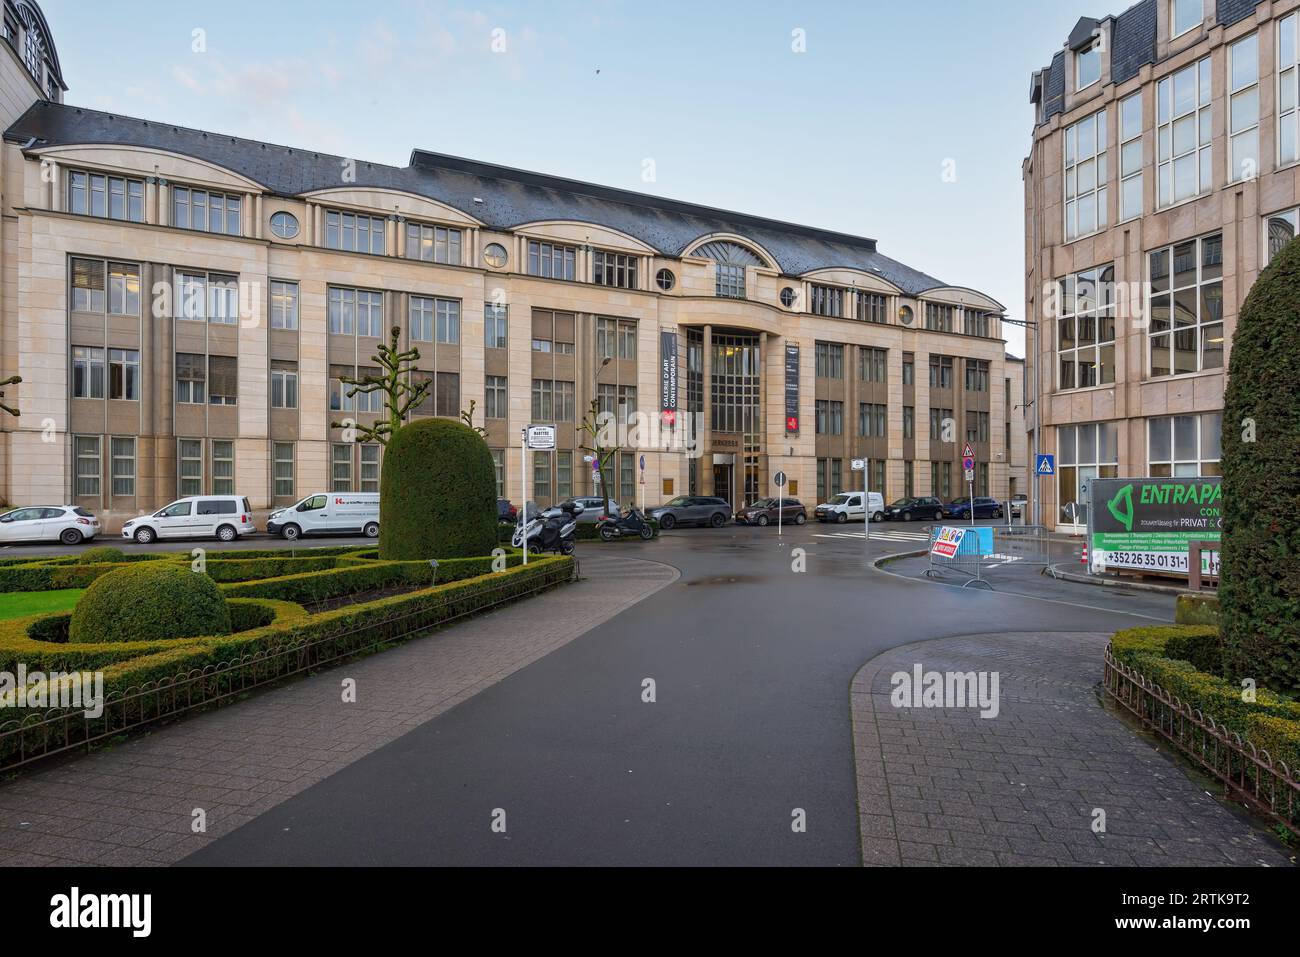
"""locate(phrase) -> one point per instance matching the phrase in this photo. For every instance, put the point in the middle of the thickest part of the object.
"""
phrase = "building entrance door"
(722, 481)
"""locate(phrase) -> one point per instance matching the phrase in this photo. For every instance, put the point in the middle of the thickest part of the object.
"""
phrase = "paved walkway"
(134, 804)
(947, 787)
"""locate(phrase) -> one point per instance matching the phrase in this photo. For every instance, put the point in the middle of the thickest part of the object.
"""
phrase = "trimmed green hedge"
(1260, 585)
(147, 602)
(360, 575)
(437, 493)
(1197, 610)
(1154, 651)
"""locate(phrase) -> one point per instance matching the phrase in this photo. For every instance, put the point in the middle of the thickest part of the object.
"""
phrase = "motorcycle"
(633, 523)
(550, 531)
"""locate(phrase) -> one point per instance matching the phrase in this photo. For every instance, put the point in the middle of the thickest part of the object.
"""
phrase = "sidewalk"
(134, 804)
(946, 787)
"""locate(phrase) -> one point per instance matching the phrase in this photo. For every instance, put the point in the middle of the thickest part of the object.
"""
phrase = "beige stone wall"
(1237, 210)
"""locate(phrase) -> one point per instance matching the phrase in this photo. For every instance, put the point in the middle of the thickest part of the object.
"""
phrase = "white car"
(69, 524)
(847, 507)
(224, 517)
(328, 513)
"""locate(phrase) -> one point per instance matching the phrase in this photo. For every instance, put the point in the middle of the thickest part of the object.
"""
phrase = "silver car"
(593, 507)
(69, 524)
(692, 510)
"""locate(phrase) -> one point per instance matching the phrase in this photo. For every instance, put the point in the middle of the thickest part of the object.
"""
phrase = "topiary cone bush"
(437, 493)
(150, 601)
(1259, 594)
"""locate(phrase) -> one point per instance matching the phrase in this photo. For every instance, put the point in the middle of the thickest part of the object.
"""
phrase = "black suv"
(906, 509)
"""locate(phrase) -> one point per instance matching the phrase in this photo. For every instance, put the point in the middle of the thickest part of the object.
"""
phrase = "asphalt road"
(752, 664)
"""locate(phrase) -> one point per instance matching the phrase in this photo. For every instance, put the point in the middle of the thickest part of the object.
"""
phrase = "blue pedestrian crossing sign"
(1046, 465)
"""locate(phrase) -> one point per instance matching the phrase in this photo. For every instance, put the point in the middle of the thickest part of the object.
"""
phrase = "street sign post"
(968, 463)
(779, 480)
(860, 465)
(536, 438)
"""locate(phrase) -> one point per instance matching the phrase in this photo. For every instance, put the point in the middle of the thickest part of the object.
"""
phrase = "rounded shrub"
(101, 554)
(150, 601)
(1259, 594)
(437, 493)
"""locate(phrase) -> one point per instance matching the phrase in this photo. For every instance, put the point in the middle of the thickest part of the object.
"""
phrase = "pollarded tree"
(12, 380)
(1260, 589)
(401, 393)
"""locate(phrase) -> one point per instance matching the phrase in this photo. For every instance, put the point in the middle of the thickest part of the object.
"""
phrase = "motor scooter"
(550, 531)
(633, 523)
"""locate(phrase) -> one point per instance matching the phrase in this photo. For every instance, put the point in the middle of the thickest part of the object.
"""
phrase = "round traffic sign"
(779, 479)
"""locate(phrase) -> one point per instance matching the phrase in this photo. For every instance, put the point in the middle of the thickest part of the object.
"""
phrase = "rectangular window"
(282, 464)
(975, 322)
(495, 406)
(123, 374)
(541, 477)
(284, 384)
(447, 394)
(627, 477)
(123, 466)
(358, 311)
(977, 427)
(433, 244)
(223, 299)
(873, 365)
(909, 422)
(1131, 157)
(939, 425)
(830, 417)
(191, 296)
(1083, 453)
(871, 307)
(1243, 109)
(1184, 446)
(1183, 135)
(829, 360)
(370, 467)
(88, 372)
(499, 465)
(941, 372)
(563, 475)
(95, 194)
(223, 380)
(1087, 65)
(938, 317)
(909, 479)
(941, 479)
(420, 313)
(123, 289)
(543, 400)
(495, 325)
(730, 280)
(1288, 90)
(826, 301)
(1085, 329)
(1186, 307)
(341, 468)
(191, 377)
(354, 233)
(89, 468)
(552, 261)
(205, 211)
(613, 269)
(909, 369)
(1184, 15)
(189, 470)
(284, 305)
(977, 375)
(447, 321)
(223, 467)
(873, 420)
(88, 290)
(1085, 176)
(627, 340)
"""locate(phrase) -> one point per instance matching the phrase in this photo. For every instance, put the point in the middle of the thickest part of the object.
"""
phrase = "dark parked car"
(691, 510)
(984, 507)
(505, 511)
(766, 511)
(907, 509)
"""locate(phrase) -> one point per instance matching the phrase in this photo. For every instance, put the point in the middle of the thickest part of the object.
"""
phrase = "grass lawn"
(19, 604)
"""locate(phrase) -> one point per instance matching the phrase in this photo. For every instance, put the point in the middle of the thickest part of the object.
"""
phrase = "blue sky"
(852, 134)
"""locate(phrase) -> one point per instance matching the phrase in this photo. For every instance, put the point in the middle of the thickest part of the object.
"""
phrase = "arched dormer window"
(28, 33)
(731, 259)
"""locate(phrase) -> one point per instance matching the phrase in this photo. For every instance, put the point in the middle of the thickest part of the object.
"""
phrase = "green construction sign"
(1146, 524)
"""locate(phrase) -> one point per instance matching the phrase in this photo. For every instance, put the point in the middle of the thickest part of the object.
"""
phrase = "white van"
(847, 507)
(224, 517)
(328, 513)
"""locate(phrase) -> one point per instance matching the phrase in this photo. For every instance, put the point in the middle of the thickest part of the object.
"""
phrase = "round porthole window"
(284, 225)
(494, 254)
(787, 297)
(905, 315)
(665, 279)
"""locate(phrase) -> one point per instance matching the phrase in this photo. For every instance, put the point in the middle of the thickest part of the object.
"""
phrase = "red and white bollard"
(1084, 560)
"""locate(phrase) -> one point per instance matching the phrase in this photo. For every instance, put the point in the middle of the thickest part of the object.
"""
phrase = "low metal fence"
(44, 734)
(987, 547)
(1248, 774)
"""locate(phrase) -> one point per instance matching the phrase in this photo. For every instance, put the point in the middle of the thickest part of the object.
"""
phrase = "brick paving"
(947, 787)
(133, 803)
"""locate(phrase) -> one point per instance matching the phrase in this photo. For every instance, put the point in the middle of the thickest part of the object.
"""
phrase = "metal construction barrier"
(970, 552)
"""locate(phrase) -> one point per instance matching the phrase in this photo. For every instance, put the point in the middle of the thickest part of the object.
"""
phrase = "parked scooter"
(633, 523)
(553, 530)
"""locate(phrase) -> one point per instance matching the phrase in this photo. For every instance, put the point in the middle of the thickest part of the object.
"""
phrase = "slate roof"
(511, 198)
